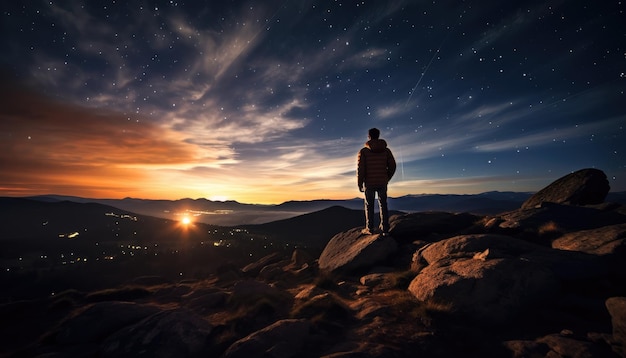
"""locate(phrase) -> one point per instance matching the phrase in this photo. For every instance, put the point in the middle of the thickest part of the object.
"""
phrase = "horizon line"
(239, 202)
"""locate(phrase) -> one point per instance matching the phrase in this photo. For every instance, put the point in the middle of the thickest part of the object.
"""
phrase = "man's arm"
(391, 164)
(360, 169)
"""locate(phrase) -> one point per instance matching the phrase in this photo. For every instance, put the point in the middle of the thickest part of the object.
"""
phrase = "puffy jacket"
(375, 164)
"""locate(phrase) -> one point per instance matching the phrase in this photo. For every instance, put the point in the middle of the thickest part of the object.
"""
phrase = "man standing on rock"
(375, 167)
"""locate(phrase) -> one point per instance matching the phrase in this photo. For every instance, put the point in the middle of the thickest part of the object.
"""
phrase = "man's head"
(373, 133)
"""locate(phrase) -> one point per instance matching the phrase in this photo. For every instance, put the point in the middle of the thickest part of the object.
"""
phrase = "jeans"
(370, 196)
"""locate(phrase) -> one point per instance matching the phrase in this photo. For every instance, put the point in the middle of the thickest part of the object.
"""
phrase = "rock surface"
(489, 278)
(353, 250)
(607, 240)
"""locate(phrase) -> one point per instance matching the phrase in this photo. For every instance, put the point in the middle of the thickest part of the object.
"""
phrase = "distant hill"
(315, 229)
(312, 229)
(222, 213)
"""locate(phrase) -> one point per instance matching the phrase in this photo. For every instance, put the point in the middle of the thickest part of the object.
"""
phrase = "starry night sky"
(264, 102)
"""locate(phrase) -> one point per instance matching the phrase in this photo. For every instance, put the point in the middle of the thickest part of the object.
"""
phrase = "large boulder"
(583, 187)
(565, 265)
(353, 250)
(489, 278)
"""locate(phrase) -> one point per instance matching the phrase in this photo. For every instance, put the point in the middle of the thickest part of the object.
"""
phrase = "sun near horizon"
(273, 190)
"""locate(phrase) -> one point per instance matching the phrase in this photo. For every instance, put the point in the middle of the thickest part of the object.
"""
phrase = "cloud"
(391, 111)
(549, 136)
(469, 185)
(272, 172)
(251, 124)
(371, 57)
(219, 52)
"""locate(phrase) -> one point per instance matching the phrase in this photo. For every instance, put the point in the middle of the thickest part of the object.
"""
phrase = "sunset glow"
(270, 103)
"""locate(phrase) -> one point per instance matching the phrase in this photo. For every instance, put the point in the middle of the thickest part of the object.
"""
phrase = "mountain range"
(233, 213)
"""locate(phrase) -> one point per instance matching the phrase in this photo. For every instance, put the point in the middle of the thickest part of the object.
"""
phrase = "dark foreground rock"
(617, 310)
(103, 319)
(284, 338)
(170, 333)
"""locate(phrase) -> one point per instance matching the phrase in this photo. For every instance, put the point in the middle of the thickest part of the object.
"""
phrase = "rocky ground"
(546, 280)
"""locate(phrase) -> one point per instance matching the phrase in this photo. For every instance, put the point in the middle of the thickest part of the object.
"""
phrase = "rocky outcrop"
(572, 203)
(583, 187)
(352, 250)
(489, 278)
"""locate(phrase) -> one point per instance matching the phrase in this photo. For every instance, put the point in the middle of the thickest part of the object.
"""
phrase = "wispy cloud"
(470, 185)
(372, 57)
(571, 132)
(392, 110)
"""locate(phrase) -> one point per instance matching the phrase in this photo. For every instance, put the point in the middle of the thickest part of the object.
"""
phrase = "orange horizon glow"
(55, 148)
(70, 150)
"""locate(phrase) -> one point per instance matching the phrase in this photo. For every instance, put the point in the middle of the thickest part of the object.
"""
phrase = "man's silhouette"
(375, 167)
